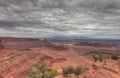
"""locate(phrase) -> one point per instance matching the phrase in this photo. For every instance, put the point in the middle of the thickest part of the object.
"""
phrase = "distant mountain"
(68, 37)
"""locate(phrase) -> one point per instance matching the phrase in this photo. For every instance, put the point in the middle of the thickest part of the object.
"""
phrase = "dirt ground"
(16, 63)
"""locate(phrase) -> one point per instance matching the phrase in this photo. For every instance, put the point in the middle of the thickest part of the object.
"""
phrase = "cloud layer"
(46, 18)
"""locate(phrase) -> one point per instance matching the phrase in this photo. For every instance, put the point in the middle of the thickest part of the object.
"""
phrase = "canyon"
(18, 54)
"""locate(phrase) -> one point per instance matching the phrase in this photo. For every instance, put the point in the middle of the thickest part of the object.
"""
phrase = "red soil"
(16, 63)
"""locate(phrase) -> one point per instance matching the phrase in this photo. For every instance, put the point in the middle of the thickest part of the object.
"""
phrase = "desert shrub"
(50, 74)
(114, 57)
(42, 68)
(79, 70)
(103, 57)
(71, 70)
(95, 57)
(100, 57)
(68, 70)
(32, 75)
(43, 72)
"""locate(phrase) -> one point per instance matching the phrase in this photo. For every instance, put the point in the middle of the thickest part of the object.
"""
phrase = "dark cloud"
(37, 18)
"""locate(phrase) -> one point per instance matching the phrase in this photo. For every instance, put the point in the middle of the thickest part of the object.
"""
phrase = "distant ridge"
(68, 37)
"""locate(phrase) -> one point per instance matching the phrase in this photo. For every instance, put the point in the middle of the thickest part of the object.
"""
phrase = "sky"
(48, 18)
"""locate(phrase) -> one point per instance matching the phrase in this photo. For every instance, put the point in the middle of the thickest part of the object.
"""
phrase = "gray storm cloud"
(45, 18)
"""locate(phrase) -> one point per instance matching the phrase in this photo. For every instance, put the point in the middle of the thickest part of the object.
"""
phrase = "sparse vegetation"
(68, 70)
(95, 57)
(101, 57)
(42, 68)
(114, 57)
(42, 71)
(79, 70)
(71, 70)
(32, 75)
(50, 73)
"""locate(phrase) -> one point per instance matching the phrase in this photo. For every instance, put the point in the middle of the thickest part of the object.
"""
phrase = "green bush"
(32, 74)
(42, 72)
(50, 74)
(68, 70)
(114, 57)
(95, 57)
(42, 68)
(79, 70)
(71, 70)
(100, 57)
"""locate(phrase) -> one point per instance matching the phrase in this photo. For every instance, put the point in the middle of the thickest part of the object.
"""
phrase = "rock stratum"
(26, 44)
(17, 56)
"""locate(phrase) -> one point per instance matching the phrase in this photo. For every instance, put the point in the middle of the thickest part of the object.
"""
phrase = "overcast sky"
(47, 18)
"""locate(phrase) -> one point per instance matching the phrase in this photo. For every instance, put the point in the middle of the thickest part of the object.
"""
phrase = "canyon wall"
(27, 43)
(22, 43)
